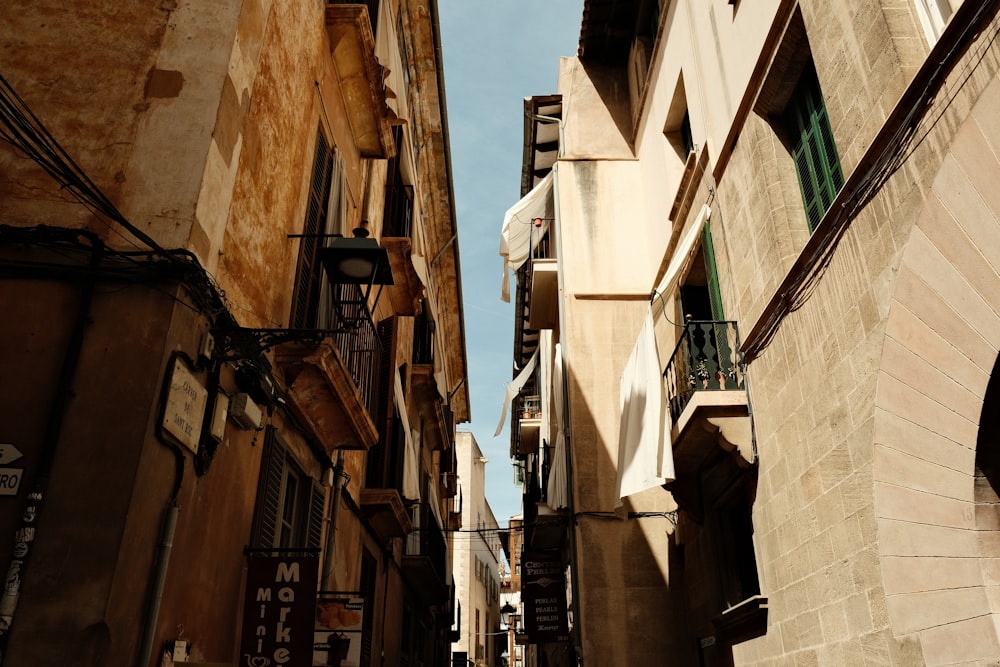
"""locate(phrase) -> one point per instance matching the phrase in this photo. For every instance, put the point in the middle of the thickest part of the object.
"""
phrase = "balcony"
(707, 398)
(529, 425)
(333, 387)
(349, 27)
(432, 407)
(372, 6)
(425, 560)
(385, 512)
(454, 510)
(397, 227)
(544, 300)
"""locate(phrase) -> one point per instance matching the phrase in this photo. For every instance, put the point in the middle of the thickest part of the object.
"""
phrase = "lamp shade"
(357, 261)
(505, 613)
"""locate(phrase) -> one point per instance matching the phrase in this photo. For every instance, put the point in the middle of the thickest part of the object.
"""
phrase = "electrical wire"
(899, 147)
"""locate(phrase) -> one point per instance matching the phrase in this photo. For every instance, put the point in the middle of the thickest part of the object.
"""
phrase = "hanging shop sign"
(543, 594)
(185, 406)
(339, 629)
(279, 611)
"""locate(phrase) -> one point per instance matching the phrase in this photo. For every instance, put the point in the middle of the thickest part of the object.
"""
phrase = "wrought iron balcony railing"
(531, 407)
(357, 340)
(427, 541)
(707, 358)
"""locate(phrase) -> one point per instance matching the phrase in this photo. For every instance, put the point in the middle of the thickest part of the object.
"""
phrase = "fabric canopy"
(557, 493)
(519, 236)
(514, 388)
(683, 251)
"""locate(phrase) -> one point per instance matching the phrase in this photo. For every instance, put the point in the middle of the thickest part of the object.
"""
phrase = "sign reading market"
(279, 611)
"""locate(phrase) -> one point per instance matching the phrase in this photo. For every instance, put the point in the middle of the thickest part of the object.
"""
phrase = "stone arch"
(936, 404)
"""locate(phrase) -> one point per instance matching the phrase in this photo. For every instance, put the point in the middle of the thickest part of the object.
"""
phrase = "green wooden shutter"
(712, 274)
(813, 151)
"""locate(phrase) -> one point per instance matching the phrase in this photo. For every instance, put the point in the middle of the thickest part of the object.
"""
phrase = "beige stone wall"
(867, 403)
(936, 540)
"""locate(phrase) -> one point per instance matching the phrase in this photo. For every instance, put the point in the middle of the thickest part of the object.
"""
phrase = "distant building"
(206, 394)
(756, 265)
(477, 557)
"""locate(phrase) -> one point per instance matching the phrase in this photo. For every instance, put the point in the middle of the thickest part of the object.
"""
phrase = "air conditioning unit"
(245, 412)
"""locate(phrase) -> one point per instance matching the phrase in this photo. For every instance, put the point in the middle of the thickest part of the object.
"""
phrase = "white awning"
(519, 235)
(514, 388)
(682, 253)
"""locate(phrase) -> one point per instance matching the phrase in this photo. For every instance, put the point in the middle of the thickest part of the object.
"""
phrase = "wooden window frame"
(304, 527)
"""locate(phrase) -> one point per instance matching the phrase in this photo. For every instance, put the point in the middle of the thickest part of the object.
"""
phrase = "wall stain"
(164, 83)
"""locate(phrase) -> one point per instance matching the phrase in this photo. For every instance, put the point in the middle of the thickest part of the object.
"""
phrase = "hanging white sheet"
(519, 235)
(514, 388)
(411, 455)
(557, 493)
(645, 453)
(645, 458)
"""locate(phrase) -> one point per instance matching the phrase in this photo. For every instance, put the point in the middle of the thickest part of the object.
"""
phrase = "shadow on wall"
(632, 601)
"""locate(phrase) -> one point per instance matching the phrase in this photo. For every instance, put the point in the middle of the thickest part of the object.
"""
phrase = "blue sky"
(495, 55)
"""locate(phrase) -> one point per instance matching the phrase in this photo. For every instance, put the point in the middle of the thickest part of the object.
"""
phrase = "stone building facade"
(194, 383)
(796, 197)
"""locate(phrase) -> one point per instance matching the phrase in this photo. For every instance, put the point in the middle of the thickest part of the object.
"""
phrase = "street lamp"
(358, 260)
(506, 612)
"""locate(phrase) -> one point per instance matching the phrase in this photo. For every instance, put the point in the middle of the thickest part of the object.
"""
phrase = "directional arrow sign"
(9, 454)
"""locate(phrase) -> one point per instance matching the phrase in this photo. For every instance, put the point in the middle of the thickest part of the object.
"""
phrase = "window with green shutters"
(712, 274)
(813, 148)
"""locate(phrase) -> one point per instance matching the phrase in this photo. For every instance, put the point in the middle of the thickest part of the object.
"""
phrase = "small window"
(687, 139)
(289, 510)
(813, 149)
(677, 128)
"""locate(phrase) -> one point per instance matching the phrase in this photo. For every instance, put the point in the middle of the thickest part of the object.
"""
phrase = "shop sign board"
(543, 593)
(279, 611)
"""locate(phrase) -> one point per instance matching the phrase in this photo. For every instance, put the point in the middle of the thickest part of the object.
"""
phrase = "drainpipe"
(339, 480)
(159, 582)
(167, 529)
